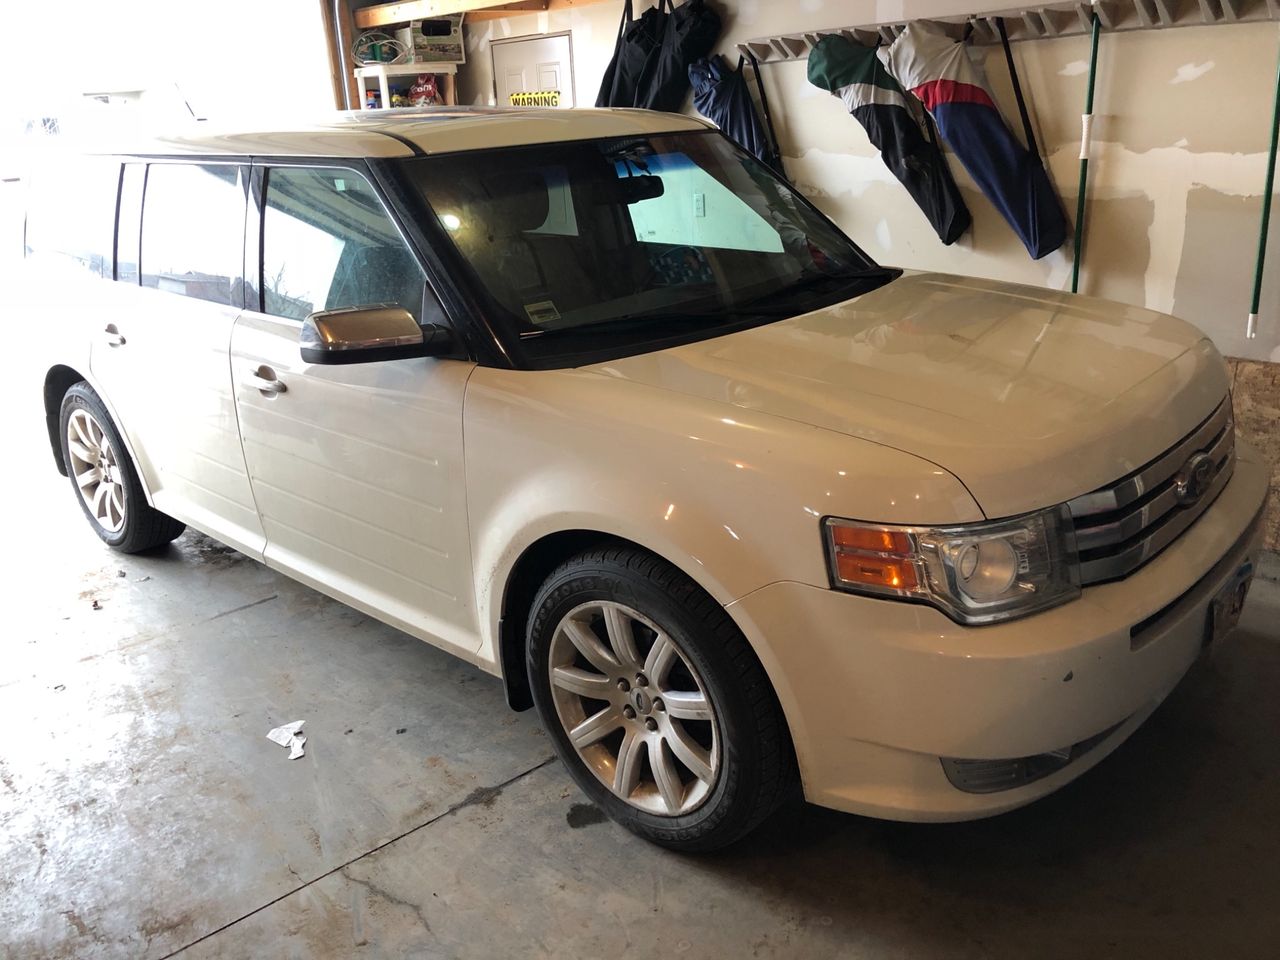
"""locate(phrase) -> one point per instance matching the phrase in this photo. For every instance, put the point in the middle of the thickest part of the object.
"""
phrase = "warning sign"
(536, 98)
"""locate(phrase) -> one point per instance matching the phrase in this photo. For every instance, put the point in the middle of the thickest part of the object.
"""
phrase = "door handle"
(112, 336)
(264, 380)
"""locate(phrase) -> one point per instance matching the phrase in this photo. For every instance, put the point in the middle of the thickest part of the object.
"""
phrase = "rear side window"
(328, 243)
(193, 231)
(71, 211)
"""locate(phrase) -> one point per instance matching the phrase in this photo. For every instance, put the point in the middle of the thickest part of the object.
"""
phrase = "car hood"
(1030, 397)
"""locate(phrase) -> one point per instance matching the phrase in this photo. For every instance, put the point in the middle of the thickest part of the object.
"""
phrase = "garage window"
(72, 208)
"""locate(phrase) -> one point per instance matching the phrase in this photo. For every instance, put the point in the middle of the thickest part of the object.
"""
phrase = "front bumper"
(876, 692)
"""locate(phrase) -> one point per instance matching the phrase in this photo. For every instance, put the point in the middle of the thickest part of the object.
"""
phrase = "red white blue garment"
(939, 72)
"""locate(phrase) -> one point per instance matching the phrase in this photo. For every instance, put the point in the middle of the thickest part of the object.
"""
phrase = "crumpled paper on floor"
(290, 735)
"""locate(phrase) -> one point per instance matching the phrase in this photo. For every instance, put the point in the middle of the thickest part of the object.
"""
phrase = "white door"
(163, 358)
(357, 468)
(533, 72)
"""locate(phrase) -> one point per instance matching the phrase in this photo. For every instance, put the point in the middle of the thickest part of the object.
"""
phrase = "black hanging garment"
(852, 72)
(721, 95)
(953, 89)
(633, 56)
(650, 65)
(691, 31)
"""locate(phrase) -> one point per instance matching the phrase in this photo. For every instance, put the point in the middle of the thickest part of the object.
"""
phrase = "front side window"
(629, 244)
(328, 243)
(193, 231)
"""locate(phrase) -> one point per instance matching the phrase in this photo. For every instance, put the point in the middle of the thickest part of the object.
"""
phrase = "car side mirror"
(369, 334)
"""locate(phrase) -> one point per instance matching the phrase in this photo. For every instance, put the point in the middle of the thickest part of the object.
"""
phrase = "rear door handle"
(264, 380)
(112, 336)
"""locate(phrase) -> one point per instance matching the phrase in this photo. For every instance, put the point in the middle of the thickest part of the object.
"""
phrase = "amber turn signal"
(875, 541)
(875, 571)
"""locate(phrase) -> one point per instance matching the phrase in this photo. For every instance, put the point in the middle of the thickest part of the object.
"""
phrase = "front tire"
(104, 479)
(655, 702)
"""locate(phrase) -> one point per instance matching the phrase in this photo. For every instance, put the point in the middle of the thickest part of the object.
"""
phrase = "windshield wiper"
(809, 284)
(629, 321)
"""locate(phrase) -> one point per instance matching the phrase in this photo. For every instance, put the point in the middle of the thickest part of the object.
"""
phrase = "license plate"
(1224, 610)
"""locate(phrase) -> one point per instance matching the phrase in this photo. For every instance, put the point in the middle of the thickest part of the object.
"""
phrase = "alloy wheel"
(634, 708)
(97, 473)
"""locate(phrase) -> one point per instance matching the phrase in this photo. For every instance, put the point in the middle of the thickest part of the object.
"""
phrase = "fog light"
(992, 776)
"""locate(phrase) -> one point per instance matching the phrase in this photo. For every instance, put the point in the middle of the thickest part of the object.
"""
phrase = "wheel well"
(529, 573)
(57, 381)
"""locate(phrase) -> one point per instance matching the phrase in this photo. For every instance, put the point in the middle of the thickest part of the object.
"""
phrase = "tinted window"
(193, 231)
(612, 246)
(129, 224)
(328, 243)
(696, 209)
(71, 211)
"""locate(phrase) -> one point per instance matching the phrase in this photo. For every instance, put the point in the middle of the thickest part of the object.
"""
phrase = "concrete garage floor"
(143, 813)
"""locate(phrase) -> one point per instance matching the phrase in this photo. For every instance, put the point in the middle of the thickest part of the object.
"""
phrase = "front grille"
(1122, 526)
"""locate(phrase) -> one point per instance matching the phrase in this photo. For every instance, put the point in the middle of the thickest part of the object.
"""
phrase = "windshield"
(609, 247)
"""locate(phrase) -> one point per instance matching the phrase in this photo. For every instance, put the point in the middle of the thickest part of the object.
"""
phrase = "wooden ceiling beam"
(388, 13)
(515, 9)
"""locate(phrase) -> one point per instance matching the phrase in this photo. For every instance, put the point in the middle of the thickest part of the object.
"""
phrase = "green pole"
(1251, 328)
(1087, 125)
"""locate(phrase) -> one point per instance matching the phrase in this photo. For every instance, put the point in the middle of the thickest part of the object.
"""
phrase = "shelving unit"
(384, 72)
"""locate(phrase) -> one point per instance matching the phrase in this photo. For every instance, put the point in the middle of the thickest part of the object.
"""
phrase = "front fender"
(731, 497)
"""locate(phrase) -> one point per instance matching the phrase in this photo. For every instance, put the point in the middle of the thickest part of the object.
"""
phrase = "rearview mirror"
(627, 190)
(368, 334)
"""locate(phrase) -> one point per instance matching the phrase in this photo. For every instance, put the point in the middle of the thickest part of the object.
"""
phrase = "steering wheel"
(667, 258)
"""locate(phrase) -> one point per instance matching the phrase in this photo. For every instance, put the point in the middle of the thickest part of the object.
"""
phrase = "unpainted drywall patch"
(1117, 248)
(1215, 277)
(821, 173)
(1191, 71)
(1074, 68)
(1165, 175)
(883, 235)
(1204, 83)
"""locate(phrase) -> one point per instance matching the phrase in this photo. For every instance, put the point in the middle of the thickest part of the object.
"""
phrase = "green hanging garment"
(854, 73)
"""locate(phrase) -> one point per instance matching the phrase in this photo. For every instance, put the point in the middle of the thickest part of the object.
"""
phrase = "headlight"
(975, 573)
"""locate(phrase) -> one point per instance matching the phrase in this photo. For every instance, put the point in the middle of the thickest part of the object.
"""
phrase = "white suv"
(596, 401)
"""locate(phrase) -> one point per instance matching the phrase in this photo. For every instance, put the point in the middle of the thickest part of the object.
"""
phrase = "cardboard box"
(438, 40)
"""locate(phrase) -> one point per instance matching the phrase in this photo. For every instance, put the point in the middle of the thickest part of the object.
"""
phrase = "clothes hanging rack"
(1033, 23)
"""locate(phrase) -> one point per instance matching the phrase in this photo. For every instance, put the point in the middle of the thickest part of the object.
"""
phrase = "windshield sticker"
(542, 313)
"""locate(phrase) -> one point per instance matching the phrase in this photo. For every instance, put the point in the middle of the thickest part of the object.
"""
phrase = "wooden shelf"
(383, 72)
(403, 69)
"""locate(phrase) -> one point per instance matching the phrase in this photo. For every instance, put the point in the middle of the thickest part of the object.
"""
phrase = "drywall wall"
(1180, 140)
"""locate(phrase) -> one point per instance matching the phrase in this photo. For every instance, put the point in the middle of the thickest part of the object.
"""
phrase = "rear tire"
(104, 479)
(655, 702)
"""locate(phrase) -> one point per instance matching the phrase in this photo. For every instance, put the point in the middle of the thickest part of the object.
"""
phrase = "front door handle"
(112, 336)
(264, 380)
